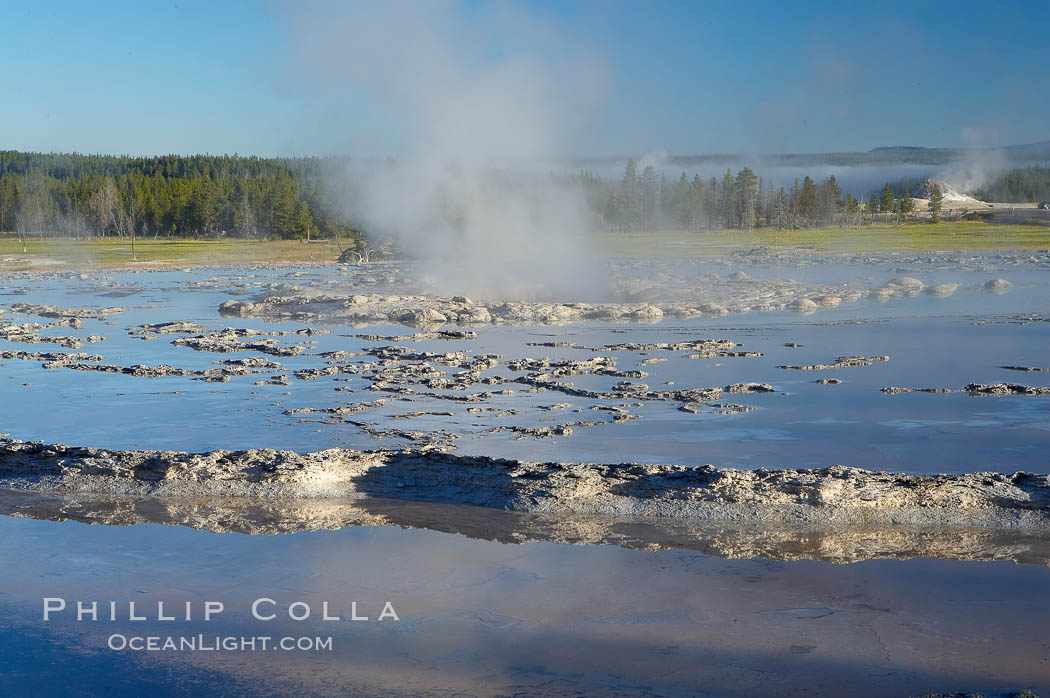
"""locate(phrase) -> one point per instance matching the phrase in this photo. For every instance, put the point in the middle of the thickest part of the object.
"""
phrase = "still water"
(486, 614)
(932, 342)
(486, 618)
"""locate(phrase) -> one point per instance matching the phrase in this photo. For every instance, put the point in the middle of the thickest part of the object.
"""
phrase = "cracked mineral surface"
(674, 360)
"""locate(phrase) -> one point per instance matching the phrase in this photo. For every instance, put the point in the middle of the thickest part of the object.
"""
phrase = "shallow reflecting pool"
(482, 617)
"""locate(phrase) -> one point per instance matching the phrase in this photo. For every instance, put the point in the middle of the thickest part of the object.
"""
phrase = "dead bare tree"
(21, 224)
(74, 219)
(246, 220)
(364, 253)
(338, 244)
(359, 249)
(104, 207)
(127, 222)
(145, 231)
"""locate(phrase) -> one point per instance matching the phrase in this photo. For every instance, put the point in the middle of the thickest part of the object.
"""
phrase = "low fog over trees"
(249, 197)
(1018, 185)
(742, 200)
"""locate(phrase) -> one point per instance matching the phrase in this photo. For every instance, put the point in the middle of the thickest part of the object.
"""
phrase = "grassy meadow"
(51, 253)
(954, 236)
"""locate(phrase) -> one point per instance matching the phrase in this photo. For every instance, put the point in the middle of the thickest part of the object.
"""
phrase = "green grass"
(956, 236)
(57, 253)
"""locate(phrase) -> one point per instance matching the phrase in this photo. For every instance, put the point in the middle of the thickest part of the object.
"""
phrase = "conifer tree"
(630, 195)
(807, 200)
(726, 200)
(907, 204)
(745, 188)
(886, 204)
(935, 202)
(852, 207)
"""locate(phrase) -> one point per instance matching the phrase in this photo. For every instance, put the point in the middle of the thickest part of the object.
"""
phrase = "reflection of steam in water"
(841, 544)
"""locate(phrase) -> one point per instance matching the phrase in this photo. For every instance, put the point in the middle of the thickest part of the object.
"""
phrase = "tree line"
(73, 195)
(744, 200)
(76, 195)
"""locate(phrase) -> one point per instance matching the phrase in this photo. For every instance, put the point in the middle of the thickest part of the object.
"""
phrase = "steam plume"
(479, 114)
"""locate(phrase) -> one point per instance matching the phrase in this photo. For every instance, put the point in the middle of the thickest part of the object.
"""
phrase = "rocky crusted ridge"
(54, 311)
(900, 287)
(841, 362)
(834, 495)
(28, 333)
(50, 359)
(427, 311)
(401, 371)
(78, 362)
(150, 331)
(256, 516)
(210, 375)
(998, 286)
(977, 390)
(450, 335)
(228, 340)
(940, 290)
(639, 291)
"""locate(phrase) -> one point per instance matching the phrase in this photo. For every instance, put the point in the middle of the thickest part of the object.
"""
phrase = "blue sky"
(684, 77)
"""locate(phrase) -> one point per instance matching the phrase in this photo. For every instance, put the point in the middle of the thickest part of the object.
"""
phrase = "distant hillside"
(1042, 147)
(1021, 154)
(898, 148)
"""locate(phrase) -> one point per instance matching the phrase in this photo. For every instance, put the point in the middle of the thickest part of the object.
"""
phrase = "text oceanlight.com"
(215, 643)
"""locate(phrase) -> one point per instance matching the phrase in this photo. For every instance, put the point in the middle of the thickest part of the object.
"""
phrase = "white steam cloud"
(481, 101)
(979, 164)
